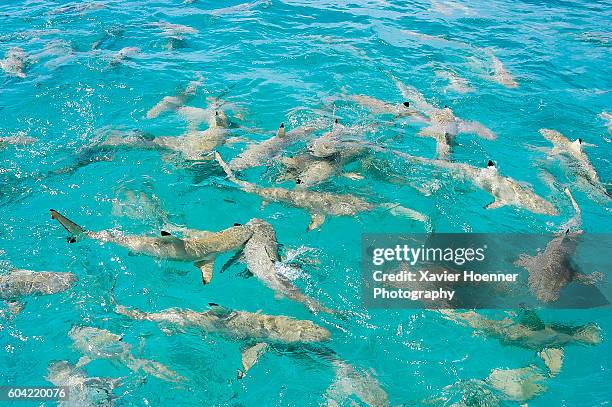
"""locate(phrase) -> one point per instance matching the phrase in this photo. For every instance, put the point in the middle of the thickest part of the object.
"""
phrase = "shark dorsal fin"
(577, 144)
(219, 310)
(281, 130)
(530, 319)
(164, 233)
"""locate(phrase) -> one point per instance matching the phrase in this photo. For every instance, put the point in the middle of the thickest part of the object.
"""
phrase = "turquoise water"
(286, 61)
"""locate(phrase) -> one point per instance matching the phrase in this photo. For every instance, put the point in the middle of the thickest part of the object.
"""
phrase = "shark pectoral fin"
(524, 261)
(155, 369)
(553, 359)
(355, 176)
(83, 361)
(495, 204)
(236, 139)
(426, 132)
(316, 221)
(219, 311)
(250, 356)
(443, 149)
(589, 279)
(14, 307)
(206, 267)
(398, 210)
(238, 256)
(76, 231)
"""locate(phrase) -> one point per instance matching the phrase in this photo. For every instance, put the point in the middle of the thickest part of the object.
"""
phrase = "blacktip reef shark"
(502, 385)
(349, 381)
(83, 391)
(528, 331)
(200, 247)
(96, 343)
(18, 284)
(505, 190)
(318, 204)
(443, 124)
(15, 62)
(455, 82)
(175, 102)
(551, 269)
(308, 170)
(500, 74)
(262, 259)
(257, 329)
(577, 161)
(193, 146)
(258, 154)
(325, 157)
(377, 106)
(607, 117)
(20, 140)
(261, 333)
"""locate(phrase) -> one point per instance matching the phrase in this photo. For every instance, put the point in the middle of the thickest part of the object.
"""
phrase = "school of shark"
(292, 167)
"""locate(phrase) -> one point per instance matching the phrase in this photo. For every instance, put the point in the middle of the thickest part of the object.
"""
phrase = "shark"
(551, 270)
(15, 62)
(20, 140)
(501, 385)
(350, 381)
(527, 330)
(258, 154)
(97, 343)
(380, 107)
(192, 146)
(18, 284)
(83, 391)
(443, 125)
(200, 247)
(262, 259)
(505, 190)
(318, 204)
(257, 330)
(174, 102)
(577, 160)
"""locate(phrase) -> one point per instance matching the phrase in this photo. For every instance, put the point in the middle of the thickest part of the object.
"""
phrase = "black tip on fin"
(212, 304)
(580, 140)
(407, 104)
(336, 121)
(164, 233)
(567, 231)
(237, 224)
(282, 126)
(490, 164)
(446, 106)
(216, 113)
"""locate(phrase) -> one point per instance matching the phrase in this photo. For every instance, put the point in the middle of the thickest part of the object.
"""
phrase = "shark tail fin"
(155, 369)
(76, 231)
(525, 261)
(350, 381)
(589, 334)
(574, 203)
(398, 210)
(230, 174)
(518, 384)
